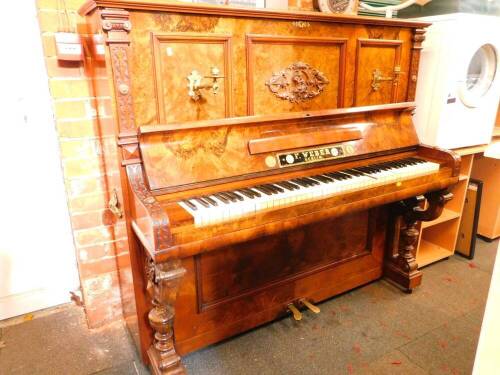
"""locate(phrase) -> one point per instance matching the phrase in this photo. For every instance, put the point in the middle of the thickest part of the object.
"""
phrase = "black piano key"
(334, 176)
(254, 192)
(294, 186)
(189, 204)
(300, 182)
(246, 194)
(353, 172)
(210, 200)
(307, 182)
(321, 178)
(236, 195)
(263, 189)
(202, 202)
(291, 185)
(278, 188)
(327, 177)
(284, 185)
(229, 196)
(313, 182)
(271, 188)
(222, 198)
(347, 176)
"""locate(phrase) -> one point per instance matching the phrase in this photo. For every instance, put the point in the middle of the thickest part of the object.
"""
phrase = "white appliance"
(458, 87)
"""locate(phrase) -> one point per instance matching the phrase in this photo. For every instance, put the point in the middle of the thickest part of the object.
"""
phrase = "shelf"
(463, 177)
(429, 253)
(446, 215)
(470, 150)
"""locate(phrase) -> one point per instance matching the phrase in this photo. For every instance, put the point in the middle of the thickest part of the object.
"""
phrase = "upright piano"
(269, 162)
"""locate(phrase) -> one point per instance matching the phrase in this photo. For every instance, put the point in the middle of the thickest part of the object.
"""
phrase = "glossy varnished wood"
(187, 157)
(194, 286)
(249, 48)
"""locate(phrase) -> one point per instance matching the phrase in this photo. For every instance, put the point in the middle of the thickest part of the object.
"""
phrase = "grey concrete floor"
(374, 329)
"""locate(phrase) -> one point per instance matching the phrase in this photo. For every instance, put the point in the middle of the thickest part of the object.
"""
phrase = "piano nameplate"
(313, 155)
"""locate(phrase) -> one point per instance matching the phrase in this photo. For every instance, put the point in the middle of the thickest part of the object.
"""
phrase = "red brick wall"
(90, 166)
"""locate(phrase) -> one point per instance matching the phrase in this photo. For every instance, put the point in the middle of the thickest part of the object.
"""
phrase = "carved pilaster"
(163, 284)
(402, 268)
(418, 38)
(116, 24)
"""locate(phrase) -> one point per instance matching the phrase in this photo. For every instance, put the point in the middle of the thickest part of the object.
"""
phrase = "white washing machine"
(458, 88)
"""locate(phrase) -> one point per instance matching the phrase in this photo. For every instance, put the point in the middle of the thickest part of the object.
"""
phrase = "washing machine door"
(479, 77)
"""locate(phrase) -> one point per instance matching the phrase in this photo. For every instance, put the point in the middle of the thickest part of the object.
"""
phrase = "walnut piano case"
(226, 103)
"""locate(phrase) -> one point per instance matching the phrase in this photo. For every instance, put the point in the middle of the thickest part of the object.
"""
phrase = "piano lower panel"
(218, 298)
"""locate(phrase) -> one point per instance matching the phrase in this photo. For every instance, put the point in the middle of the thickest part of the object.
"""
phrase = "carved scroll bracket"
(162, 237)
(297, 83)
(163, 284)
(402, 269)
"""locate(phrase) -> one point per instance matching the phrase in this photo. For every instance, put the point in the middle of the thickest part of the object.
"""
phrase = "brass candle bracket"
(114, 205)
(378, 78)
(195, 84)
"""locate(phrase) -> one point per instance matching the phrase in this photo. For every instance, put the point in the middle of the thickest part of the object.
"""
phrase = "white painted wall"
(37, 256)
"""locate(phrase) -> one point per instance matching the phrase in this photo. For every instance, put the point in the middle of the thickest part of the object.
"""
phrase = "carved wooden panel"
(308, 44)
(377, 58)
(238, 270)
(294, 73)
(176, 55)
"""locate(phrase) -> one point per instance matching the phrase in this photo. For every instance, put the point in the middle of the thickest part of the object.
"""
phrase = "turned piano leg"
(163, 284)
(402, 269)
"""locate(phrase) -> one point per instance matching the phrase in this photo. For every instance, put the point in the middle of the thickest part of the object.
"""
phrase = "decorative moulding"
(299, 82)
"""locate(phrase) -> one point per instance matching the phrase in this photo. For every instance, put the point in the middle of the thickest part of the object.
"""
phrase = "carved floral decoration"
(297, 83)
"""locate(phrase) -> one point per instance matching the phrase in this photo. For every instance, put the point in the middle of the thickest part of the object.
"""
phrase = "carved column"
(116, 24)
(402, 268)
(163, 284)
(418, 39)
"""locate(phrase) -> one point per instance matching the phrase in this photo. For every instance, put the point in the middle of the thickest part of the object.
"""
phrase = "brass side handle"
(297, 315)
(378, 78)
(195, 84)
(114, 205)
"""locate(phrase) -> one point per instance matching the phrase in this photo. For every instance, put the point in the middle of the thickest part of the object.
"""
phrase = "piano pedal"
(297, 315)
(310, 306)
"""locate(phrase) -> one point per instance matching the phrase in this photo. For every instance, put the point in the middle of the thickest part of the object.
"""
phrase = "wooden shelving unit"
(438, 237)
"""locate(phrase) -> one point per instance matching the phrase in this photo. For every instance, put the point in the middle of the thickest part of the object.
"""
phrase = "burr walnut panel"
(244, 268)
(377, 56)
(274, 56)
(176, 55)
(189, 153)
(252, 49)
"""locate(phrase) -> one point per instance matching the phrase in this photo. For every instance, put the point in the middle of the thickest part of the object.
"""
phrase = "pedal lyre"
(297, 315)
(310, 306)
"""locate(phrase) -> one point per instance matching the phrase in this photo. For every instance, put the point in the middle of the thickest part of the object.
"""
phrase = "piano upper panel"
(187, 155)
(250, 46)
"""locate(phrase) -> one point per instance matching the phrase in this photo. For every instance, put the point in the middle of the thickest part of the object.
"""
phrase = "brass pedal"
(297, 315)
(310, 306)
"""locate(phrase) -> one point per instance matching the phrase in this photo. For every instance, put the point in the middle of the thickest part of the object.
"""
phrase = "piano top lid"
(275, 119)
(217, 10)
(194, 154)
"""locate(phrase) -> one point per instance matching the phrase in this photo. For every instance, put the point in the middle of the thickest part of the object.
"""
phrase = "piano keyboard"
(228, 205)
